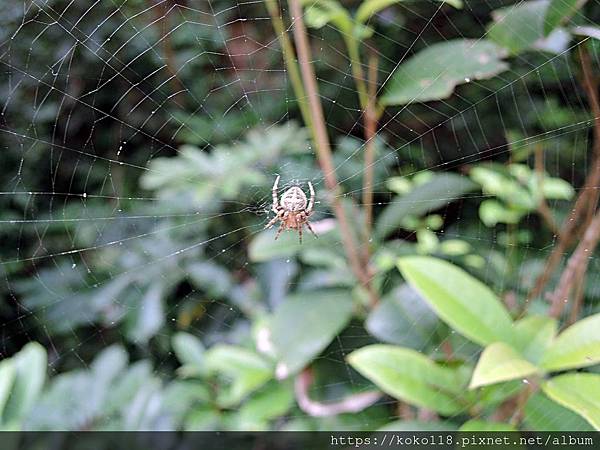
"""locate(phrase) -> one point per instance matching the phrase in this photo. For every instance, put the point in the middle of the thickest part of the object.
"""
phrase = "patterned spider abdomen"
(293, 199)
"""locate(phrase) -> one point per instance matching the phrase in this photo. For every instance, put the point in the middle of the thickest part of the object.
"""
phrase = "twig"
(289, 57)
(370, 119)
(351, 404)
(588, 198)
(577, 264)
(543, 207)
(323, 147)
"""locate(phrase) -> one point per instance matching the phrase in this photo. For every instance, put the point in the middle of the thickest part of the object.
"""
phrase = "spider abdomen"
(294, 199)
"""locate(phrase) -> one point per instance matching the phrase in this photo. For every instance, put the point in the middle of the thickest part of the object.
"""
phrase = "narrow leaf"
(559, 12)
(369, 8)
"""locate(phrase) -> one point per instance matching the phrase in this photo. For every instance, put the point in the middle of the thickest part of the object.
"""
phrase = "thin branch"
(370, 119)
(351, 404)
(289, 57)
(577, 264)
(323, 147)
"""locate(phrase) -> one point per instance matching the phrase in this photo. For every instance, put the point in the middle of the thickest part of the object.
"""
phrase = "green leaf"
(270, 402)
(190, 351)
(245, 370)
(459, 299)
(559, 12)
(369, 8)
(483, 425)
(534, 334)
(7, 377)
(30, 374)
(580, 392)
(577, 346)
(492, 212)
(441, 190)
(264, 247)
(403, 318)
(304, 324)
(433, 73)
(500, 362)
(519, 26)
(408, 375)
(542, 414)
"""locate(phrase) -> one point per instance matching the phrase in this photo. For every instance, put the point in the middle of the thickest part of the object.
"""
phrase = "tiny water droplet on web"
(84, 195)
(525, 381)
(467, 80)
(73, 266)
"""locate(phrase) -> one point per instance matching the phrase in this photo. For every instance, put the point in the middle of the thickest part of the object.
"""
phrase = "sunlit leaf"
(459, 299)
(577, 346)
(500, 362)
(534, 333)
(433, 73)
(30, 374)
(370, 7)
(580, 392)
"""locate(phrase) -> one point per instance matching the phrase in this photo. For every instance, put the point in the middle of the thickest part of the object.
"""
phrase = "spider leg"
(311, 202)
(279, 230)
(272, 222)
(311, 230)
(275, 206)
(300, 234)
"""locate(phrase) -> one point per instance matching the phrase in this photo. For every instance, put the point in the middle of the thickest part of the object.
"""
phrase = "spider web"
(109, 108)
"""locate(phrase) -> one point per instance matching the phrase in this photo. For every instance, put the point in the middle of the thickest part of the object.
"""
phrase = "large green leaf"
(440, 191)
(500, 362)
(245, 371)
(577, 346)
(519, 26)
(433, 73)
(560, 11)
(370, 7)
(408, 375)
(542, 414)
(403, 318)
(30, 374)
(580, 392)
(462, 301)
(304, 324)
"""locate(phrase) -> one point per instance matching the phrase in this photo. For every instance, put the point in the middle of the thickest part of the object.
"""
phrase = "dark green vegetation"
(455, 150)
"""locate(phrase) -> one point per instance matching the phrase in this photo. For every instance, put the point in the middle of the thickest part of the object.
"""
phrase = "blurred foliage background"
(140, 140)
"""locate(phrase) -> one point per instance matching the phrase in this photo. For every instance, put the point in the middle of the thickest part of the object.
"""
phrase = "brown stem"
(577, 264)
(543, 207)
(323, 147)
(351, 404)
(587, 201)
(370, 120)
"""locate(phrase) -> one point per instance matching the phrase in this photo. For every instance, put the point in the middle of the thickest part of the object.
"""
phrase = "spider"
(293, 210)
